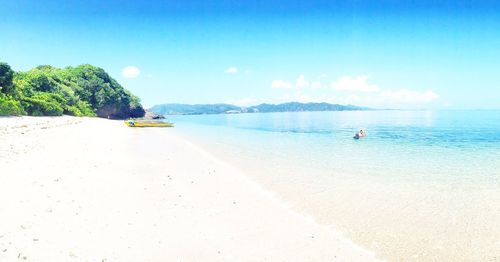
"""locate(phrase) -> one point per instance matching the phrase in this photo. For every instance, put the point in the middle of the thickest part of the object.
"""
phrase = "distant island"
(84, 90)
(201, 109)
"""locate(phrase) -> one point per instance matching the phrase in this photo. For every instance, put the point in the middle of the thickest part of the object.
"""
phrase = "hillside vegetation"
(184, 109)
(84, 90)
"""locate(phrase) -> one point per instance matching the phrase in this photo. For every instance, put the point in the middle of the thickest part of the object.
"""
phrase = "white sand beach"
(87, 189)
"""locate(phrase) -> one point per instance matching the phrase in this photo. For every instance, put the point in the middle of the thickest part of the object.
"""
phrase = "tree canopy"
(6, 76)
(84, 90)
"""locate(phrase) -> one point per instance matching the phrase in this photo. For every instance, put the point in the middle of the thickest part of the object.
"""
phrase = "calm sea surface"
(444, 145)
(424, 185)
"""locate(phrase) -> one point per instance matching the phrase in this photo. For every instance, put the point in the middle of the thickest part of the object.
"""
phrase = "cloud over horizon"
(354, 90)
(281, 84)
(354, 84)
(300, 83)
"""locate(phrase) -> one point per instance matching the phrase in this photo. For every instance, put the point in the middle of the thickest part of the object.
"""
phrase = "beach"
(89, 189)
(423, 186)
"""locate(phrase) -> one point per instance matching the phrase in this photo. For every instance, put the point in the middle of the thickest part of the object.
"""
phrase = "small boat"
(148, 123)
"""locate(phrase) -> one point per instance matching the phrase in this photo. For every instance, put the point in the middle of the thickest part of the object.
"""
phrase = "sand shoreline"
(401, 215)
(86, 189)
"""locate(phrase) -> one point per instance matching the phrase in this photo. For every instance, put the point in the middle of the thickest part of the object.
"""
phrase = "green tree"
(44, 104)
(6, 76)
(84, 90)
(104, 93)
(10, 107)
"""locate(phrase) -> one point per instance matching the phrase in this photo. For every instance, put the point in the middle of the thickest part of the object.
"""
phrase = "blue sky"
(404, 54)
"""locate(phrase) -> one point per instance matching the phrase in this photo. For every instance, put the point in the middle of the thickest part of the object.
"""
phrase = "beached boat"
(148, 123)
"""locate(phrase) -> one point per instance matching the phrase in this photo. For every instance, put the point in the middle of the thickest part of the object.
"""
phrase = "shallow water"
(424, 185)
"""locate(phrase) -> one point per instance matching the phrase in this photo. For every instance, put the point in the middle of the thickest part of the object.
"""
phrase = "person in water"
(361, 133)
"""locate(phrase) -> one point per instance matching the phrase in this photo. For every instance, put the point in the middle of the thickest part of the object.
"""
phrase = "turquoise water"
(452, 146)
(423, 186)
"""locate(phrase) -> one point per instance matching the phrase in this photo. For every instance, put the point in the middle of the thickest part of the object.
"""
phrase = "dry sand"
(82, 189)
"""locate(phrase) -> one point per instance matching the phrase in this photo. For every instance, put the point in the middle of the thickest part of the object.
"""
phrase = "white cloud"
(231, 70)
(324, 75)
(354, 84)
(316, 84)
(281, 84)
(301, 82)
(358, 91)
(131, 72)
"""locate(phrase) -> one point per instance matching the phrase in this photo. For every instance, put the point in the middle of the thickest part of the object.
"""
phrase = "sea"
(422, 186)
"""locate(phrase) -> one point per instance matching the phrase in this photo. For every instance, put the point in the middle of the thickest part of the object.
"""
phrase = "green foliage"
(6, 76)
(10, 107)
(103, 93)
(44, 104)
(84, 90)
(81, 108)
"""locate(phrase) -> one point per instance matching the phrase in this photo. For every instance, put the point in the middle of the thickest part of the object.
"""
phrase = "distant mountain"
(299, 107)
(184, 109)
